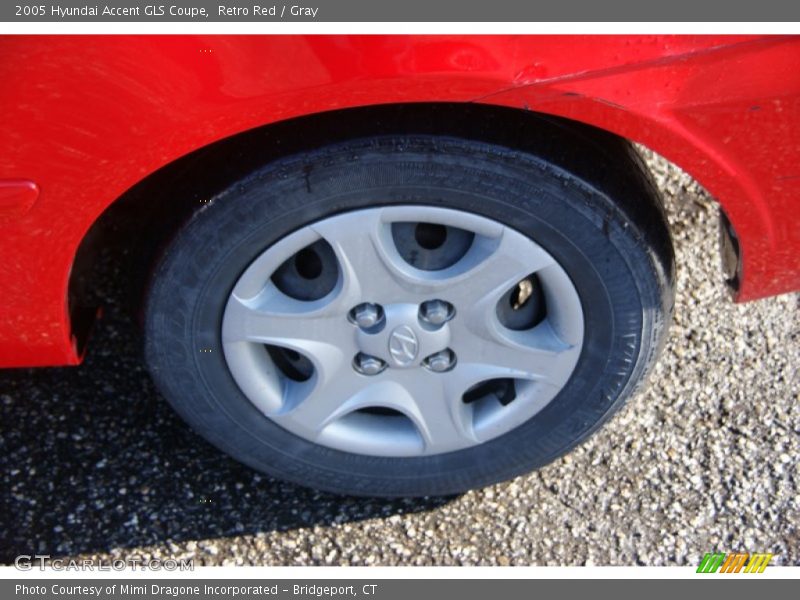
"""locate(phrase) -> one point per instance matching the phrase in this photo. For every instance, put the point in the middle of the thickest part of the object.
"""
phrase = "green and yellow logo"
(734, 563)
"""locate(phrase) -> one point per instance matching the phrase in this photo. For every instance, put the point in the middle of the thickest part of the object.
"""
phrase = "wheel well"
(131, 232)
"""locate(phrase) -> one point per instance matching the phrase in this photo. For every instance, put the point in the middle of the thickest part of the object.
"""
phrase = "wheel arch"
(131, 231)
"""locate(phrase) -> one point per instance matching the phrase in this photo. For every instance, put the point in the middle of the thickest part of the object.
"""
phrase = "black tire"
(592, 208)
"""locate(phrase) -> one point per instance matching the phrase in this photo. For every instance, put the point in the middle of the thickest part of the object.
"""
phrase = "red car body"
(86, 118)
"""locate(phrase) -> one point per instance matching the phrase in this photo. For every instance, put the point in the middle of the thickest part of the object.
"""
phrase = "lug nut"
(366, 315)
(441, 361)
(436, 312)
(368, 365)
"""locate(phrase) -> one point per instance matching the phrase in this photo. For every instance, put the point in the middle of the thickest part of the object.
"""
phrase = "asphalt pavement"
(94, 463)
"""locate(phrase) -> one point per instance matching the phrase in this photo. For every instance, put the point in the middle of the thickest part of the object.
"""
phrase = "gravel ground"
(95, 464)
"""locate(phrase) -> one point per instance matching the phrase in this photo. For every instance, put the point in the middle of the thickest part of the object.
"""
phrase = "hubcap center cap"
(404, 341)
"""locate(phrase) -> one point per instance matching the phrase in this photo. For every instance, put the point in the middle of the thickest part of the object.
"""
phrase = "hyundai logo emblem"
(403, 345)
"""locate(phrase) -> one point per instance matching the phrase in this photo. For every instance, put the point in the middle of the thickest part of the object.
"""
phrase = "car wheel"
(410, 315)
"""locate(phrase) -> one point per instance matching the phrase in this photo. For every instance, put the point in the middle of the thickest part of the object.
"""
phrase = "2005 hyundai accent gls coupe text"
(387, 265)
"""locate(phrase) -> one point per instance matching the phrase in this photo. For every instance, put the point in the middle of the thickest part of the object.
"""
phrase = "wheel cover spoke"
(495, 266)
(370, 267)
(283, 322)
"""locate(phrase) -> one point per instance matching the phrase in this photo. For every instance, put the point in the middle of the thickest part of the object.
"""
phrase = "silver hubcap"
(421, 341)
